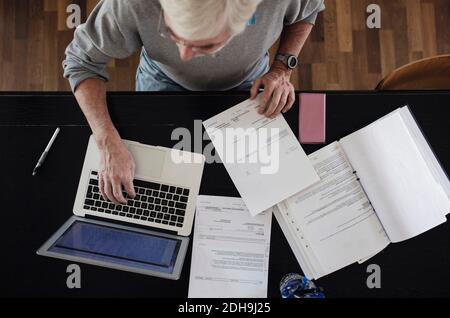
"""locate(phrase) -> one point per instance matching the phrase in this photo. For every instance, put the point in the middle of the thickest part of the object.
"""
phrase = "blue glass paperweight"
(297, 286)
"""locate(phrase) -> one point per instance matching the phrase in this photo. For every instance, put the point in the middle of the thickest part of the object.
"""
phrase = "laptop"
(149, 234)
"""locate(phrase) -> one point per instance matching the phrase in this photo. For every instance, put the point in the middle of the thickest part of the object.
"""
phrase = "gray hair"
(195, 20)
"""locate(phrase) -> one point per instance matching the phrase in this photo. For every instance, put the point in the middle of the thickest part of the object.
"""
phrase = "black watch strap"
(290, 61)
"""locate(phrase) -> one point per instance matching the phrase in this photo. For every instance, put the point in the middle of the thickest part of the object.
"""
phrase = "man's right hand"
(117, 165)
(116, 171)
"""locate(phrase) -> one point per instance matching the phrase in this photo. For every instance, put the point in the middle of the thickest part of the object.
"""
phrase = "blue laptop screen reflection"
(122, 247)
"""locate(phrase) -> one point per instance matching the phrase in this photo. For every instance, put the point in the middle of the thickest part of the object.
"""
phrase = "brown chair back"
(428, 74)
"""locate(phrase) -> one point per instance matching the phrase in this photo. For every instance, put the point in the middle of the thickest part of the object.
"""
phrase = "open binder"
(379, 185)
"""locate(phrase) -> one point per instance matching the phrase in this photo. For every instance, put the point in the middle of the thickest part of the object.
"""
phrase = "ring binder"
(387, 164)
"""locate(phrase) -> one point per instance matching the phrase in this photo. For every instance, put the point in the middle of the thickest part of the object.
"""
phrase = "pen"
(45, 153)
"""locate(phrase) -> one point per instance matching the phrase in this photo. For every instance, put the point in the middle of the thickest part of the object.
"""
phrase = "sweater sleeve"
(109, 32)
(303, 11)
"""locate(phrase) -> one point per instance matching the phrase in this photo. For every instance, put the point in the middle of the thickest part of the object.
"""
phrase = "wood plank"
(20, 63)
(359, 14)
(305, 77)
(334, 57)
(372, 80)
(387, 21)
(313, 52)
(136, 57)
(35, 46)
(20, 19)
(50, 5)
(36, 10)
(345, 71)
(387, 52)
(442, 15)
(330, 34)
(8, 72)
(373, 51)
(111, 63)
(332, 74)
(319, 76)
(295, 78)
(414, 25)
(318, 34)
(8, 30)
(122, 63)
(401, 37)
(52, 68)
(429, 30)
(344, 25)
(361, 60)
(111, 85)
(2, 26)
(122, 81)
(334, 87)
(62, 14)
(416, 56)
(90, 5)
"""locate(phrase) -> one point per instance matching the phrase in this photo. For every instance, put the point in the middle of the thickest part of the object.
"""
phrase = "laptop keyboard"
(154, 202)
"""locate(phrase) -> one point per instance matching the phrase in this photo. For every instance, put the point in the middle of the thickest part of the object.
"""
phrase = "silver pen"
(45, 153)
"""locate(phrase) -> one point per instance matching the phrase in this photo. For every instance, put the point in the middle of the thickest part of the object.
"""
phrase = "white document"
(230, 250)
(405, 193)
(262, 156)
(334, 223)
(433, 164)
(379, 185)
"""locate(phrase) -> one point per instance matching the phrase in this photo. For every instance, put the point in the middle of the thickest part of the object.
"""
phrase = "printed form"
(334, 220)
(230, 251)
(262, 155)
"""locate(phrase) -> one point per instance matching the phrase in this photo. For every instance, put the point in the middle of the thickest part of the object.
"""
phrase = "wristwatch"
(290, 61)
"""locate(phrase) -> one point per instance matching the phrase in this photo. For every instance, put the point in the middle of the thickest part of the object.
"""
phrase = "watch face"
(292, 62)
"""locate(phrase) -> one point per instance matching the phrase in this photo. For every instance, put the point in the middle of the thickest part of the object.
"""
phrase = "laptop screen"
(118, 246)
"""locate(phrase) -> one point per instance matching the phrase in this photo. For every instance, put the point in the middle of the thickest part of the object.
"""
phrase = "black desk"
(33, 208)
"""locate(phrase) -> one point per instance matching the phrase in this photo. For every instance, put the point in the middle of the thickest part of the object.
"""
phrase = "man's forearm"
(279, 93)
(91, 96)
(293, 38)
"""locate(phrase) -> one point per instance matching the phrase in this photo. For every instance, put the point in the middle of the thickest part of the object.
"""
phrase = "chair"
(427, 74)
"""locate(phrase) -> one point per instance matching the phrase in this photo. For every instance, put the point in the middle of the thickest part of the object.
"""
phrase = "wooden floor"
(340, 54)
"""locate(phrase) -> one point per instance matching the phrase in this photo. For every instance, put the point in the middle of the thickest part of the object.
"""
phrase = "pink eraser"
(312, 121)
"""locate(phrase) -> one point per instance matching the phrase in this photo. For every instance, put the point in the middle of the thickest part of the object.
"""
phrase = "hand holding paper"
(262, 155)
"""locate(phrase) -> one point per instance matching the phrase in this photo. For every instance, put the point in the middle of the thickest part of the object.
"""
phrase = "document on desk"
(230, 252)
(262, 156)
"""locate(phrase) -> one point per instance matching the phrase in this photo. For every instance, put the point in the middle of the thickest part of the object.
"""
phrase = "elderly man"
(186, 45)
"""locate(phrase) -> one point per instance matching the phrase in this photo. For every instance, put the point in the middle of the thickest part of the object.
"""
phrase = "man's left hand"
(279, 95)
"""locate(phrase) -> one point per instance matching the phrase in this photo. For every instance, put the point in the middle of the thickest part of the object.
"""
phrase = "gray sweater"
(118, 28)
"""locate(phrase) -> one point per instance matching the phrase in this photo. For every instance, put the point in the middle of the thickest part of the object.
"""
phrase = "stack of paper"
(262, 156)
(230, 253)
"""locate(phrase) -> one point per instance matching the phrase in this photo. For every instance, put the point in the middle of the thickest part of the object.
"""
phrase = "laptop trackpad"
(149, 161)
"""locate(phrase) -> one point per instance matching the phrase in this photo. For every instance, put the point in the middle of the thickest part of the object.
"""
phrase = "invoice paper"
(230, 251)
(262, 155)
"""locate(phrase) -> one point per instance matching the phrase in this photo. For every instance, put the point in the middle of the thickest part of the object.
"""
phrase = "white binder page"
(295, 243)
(424, 148)
(262, 156)
(333, 218)
(230, 250)
(403, 191)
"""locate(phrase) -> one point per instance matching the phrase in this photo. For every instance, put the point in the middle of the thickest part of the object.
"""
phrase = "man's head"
(202, 27)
